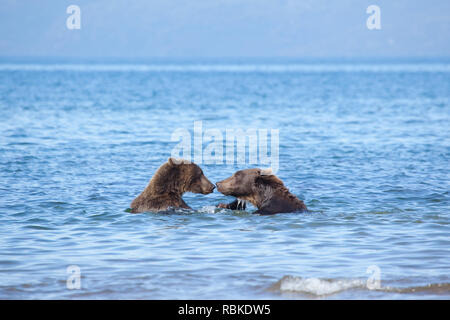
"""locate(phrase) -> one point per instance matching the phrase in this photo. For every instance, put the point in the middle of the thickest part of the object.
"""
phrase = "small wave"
(436, 288)
(182, 211)
(35, 227)
(172, 210)
(316, 286)
(208, 209)
(326, 287)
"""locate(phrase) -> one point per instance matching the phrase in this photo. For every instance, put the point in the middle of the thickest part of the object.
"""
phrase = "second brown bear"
(261, 188)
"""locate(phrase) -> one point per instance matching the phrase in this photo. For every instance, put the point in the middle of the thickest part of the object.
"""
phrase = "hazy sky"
(224, 28)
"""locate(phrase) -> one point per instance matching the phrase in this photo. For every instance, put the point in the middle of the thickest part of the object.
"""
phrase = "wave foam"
(316, 286)
(208, 209)
(325, 287)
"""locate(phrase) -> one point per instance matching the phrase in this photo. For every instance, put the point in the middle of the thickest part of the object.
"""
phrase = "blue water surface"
(366, 146)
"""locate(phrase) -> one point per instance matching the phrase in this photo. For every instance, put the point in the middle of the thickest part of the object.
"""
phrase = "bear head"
(244, 184)
(179, 176)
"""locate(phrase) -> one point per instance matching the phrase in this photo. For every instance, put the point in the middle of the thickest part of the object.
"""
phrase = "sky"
(224, 28)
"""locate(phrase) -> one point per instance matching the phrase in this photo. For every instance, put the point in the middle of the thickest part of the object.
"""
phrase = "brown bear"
(168, 184)
(261, 188)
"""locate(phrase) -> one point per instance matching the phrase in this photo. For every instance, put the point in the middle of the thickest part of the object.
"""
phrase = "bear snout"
(208, 187)
(211, 189)
(223, 187)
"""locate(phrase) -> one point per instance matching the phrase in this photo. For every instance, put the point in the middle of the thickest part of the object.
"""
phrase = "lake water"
(366, 146)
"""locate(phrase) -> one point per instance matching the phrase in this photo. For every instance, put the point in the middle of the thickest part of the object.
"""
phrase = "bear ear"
(266, 172)
(173, 161)
(177, 161)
